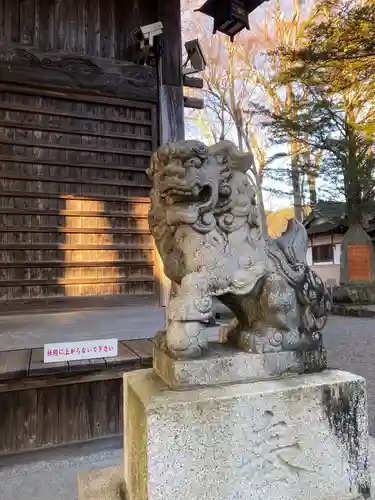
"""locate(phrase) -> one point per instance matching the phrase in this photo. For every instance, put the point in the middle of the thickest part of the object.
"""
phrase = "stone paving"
(350, 344)
(34, 330)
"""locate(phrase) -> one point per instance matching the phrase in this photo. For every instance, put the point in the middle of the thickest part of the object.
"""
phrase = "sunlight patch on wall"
(90, 269)
(163, 284)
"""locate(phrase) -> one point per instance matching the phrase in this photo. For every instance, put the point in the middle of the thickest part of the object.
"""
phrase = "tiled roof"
(329, 209)
(325, 217)
(329, 216)
(326, 227)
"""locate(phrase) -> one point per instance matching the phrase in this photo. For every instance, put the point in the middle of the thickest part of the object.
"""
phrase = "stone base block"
(293, 438)
(227, 365)
(102, 484)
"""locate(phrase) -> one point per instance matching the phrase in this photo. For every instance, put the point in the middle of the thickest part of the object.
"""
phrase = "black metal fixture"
(195, 56)
(230, 16)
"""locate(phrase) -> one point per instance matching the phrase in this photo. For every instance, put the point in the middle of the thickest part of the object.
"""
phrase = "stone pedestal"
(102, 484)
(292, 438)
(227, 365)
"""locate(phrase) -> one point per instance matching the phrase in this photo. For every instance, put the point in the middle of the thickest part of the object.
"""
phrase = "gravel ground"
(350, 344)
(52, 474)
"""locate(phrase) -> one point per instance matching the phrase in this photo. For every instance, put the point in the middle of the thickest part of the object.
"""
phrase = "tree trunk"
(312, 179)
(353, 197)
(353, 190)
(311, 166)
(296, 187)
(312, 189)
(295, 172)
(261, 208)
(240, 140)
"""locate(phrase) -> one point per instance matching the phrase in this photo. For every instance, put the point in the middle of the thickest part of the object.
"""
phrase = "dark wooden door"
(74, 199)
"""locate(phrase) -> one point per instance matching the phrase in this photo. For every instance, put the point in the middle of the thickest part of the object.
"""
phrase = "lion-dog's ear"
(165, 152)
(239, 161)
(162, 155)
(150, 172)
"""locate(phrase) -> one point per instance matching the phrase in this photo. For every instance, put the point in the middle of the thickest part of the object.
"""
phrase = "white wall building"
(326, 226)
(323, 255)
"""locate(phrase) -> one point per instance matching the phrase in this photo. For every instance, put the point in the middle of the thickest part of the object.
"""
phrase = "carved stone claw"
(291, 340)
(192, 352)
(186, 339)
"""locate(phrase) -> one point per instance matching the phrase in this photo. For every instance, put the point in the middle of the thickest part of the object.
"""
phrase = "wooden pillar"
(171, 103)
(171, 98)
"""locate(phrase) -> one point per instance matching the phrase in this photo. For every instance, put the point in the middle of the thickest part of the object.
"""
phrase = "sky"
(195, 132)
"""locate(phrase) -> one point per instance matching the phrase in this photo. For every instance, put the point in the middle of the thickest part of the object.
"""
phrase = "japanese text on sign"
(359, 262)
(71, 351)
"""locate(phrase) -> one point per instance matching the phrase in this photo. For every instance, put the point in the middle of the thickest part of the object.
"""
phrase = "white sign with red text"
(84, 349)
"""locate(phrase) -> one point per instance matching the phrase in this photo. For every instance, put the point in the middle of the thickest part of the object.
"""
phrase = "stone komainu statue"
(205, 222)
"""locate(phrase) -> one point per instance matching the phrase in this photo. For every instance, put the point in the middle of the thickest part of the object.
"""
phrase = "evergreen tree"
(336, 131)
(332, 116)
(339, 42)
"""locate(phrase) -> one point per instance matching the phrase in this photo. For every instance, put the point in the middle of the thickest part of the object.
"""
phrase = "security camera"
(195, 56)
(145, 34)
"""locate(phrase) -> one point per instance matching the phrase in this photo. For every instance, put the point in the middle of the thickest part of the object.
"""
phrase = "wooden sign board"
(85, 349)
(359, 263)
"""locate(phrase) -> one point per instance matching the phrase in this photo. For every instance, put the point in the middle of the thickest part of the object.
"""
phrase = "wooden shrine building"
(82, 107)
(84, 101)
(80, 114)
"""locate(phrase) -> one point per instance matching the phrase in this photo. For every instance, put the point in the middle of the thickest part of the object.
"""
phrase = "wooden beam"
(93, 75)
(193, 82)
(14, 364)
(193, 102)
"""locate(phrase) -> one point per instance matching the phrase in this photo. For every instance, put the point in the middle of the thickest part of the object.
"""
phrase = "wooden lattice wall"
(74, 196)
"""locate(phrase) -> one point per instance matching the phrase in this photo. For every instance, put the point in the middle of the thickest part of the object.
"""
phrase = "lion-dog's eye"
(193, 162)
